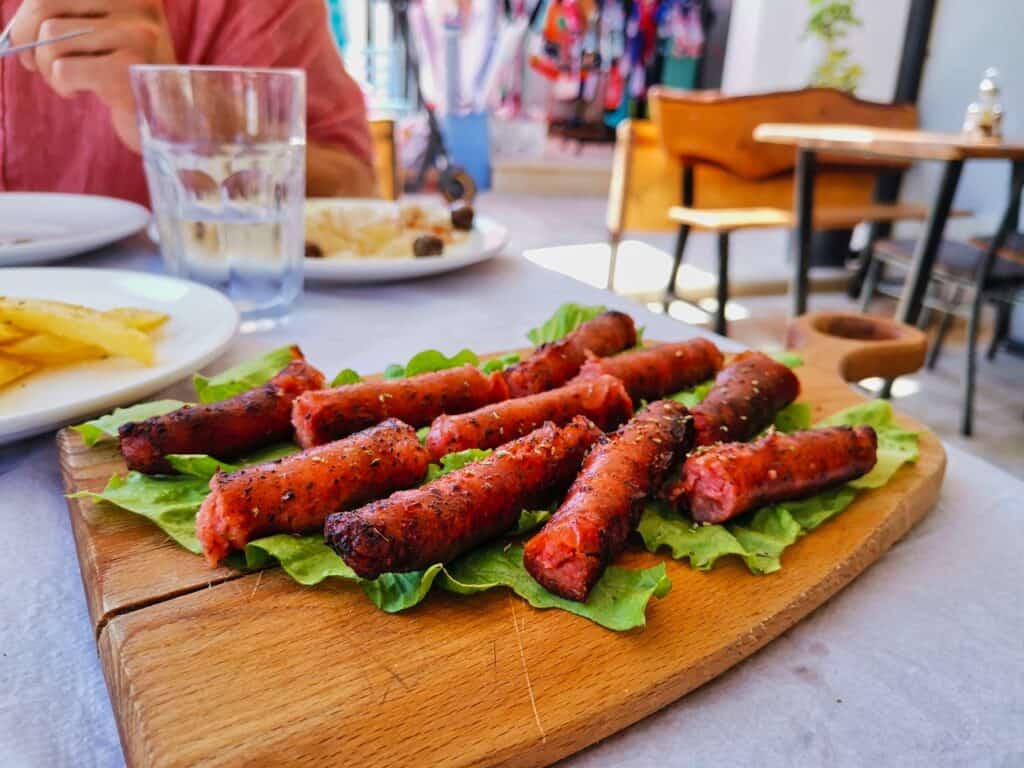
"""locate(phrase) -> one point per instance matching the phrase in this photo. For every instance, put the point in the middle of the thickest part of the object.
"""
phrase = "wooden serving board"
(212, 667)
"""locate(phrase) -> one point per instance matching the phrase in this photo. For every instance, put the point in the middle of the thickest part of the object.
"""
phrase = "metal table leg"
(806, 162)
(928, 246)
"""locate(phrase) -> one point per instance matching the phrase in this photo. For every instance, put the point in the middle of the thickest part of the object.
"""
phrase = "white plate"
(202, 324)
(63, 225)
(484, 242)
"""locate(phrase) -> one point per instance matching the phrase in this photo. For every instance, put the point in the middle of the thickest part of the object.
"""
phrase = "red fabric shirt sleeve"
(282, 33)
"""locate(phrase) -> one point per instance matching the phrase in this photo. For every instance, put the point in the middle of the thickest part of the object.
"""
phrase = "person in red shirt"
(67, 116)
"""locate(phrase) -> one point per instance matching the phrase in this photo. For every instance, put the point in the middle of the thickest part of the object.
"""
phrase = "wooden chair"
(645, 184)
(988, 270)
(730, 181)
(385, 158)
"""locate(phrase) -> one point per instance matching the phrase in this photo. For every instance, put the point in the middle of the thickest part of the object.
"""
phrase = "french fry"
(9, 333)
(69, 321)
(52, 350)
(12, 369)
(140, 319)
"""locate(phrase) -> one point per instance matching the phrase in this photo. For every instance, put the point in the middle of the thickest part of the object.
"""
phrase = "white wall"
(766, 51)
(967, 37)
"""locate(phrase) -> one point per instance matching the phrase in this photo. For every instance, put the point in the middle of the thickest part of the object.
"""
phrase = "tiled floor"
(759, 264)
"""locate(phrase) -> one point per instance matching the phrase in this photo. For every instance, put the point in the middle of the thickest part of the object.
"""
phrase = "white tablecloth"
(918, 662)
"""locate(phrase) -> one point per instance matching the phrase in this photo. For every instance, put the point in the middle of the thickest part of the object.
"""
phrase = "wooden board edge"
(904, 517)
(580, 734)
(92, 583)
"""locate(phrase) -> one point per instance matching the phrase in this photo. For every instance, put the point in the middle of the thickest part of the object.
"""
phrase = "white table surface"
(920, 662)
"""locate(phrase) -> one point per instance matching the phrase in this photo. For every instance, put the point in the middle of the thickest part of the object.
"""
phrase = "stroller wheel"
(455, 184)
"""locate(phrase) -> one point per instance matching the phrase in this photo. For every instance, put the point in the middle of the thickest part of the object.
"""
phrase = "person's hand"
(123, 32)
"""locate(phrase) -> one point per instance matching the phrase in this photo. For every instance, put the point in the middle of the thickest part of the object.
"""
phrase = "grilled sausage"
(439, 521)
(603, 505)
(723, 481)
(662, 370)
(744, 400)
(602, 399)
(227, 429)
(553, 364)
(330, 414)
(296, 493)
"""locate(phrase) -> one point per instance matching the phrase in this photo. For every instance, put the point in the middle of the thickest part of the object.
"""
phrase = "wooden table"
(952, 150)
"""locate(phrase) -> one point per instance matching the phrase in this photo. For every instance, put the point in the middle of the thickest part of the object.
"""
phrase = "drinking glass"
(224, 151)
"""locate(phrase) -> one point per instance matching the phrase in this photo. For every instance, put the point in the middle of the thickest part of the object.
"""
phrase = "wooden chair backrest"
(730, 169)
(385, 158)
(704, 127)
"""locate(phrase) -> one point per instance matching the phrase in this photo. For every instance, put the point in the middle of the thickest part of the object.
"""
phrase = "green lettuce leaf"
(429, 361)
(660, 526)
(308, 560)
(788, 359)
(454, 461)
(761, 537)
(694, 395)
(171, 502)
(105, 427)
(243, 377)
(896, 446)
(618, 601)
(530, 519)
(793, 418)
(500, 363)
(201, 465)
(567, 318)
(394, 592)
(347, 376)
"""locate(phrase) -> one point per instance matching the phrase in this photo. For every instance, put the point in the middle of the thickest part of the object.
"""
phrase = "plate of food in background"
(36, 227)
(74, 342)
(374, 241)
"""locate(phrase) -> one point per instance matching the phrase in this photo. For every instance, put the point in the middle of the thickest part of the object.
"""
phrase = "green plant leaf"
(457, 460)
(788, 359)
(661, 527)
(694, 395)
(308, 560)
(171, 502)
(896, 446)
(618, 601)
(347, 376)
(429, 361)
(201, 465)
(761, 537)
(500, 363)
(394, 592)
(105, 427)
(529, 519)
(793, 418)
(242, 377)
(567, 318)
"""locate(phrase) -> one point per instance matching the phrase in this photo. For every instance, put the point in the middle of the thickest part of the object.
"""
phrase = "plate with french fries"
(74, 342)
(38, 227)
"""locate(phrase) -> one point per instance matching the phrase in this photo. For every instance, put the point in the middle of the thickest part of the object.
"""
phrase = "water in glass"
(227, 218)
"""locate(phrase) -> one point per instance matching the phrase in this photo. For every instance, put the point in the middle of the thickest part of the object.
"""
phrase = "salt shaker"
(984, 118)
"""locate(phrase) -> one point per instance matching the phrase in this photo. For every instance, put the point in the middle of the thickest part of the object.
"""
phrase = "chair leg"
(677, 260)
(613, 245)
(967, 416)
(856, 284)
(721, 324)
(1001, 330)
(944, 326)
(872, 275)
